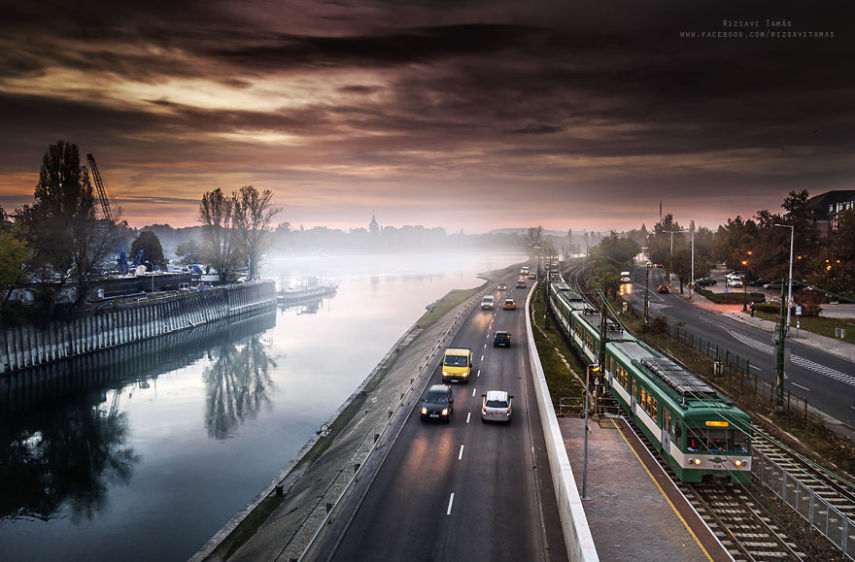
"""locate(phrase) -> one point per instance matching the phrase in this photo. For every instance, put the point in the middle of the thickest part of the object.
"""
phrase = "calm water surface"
(144, 453)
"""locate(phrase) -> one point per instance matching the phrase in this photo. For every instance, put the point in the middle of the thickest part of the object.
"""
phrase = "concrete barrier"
(574, 523)
(22, 347)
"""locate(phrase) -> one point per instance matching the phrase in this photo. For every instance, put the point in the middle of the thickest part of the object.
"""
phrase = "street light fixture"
(790, 284)
(591, 368)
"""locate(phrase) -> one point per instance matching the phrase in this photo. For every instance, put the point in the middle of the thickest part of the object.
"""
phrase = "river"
(144, 452)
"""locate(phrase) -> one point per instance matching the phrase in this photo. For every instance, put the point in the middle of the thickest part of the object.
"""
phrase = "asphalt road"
(825, 380)
(466, 490)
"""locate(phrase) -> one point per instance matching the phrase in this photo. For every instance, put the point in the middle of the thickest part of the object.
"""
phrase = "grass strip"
(818, 325)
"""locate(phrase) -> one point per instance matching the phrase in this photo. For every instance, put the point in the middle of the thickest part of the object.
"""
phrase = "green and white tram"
(699, 431)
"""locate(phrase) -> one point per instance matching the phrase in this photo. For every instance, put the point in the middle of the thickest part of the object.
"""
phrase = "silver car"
(496, 406)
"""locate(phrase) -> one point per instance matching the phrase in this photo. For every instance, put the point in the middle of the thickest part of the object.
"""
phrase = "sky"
(462, 114)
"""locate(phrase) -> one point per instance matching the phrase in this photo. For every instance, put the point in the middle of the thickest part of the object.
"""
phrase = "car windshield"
(497, 404)
(509, 301)
(487, 299)
(702, 440)
(501, 336)
(455, 361)
(437, 398)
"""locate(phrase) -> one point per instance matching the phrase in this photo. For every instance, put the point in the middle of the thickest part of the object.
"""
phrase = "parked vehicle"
(705, 282)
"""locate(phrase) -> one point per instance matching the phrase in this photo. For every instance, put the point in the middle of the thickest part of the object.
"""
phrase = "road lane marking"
(485, 347)
(460, 456)
(468, 415)
(482, 355)
(450, 503)
(478, 374)
(473, 391)
(755, 367)
(795, 359)
(800, 386)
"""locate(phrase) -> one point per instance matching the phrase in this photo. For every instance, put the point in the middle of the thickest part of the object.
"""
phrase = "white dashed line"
(450, 503)
(800, 386)
(468, 415)
(478, 374)
(755, 367)
(460, 456)
(482, 355)
(473, 391)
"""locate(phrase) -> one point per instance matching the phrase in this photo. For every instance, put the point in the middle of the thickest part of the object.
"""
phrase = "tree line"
(759, 247)
(60, 247)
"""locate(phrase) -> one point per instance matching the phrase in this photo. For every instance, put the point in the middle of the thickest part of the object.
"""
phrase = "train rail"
(733, 515)
(740, 515)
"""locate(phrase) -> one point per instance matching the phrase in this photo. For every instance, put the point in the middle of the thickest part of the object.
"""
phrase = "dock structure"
(22, 347)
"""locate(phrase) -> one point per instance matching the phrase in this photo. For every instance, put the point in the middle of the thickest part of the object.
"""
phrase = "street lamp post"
(790, 290)
(745, 283)
(590, 368)
(645, 322)
(692, 283)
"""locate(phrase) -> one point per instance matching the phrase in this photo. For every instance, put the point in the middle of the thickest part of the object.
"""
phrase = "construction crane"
(99, 185)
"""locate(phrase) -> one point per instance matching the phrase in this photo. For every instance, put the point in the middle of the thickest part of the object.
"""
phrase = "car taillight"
(509, 409)
(484, 410)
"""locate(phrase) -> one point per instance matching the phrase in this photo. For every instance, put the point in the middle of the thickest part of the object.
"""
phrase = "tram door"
(633, 397)
(666, 430)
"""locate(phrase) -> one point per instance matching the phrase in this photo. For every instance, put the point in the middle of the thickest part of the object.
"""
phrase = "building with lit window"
(828, 206)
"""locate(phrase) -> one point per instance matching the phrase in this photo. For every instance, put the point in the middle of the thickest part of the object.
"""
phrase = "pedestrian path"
(840, 348)
(633, 510)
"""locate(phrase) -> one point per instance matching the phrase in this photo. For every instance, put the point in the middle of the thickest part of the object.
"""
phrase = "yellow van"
(456, 365)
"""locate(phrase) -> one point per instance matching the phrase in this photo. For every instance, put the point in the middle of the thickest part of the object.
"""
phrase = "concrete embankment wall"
(22, 347)
(574, 523)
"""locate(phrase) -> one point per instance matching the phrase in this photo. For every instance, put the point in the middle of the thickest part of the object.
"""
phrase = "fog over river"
(144, 453)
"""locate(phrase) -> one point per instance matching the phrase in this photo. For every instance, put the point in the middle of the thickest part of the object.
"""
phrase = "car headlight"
(445, 411)
(445, 373)
(424, 410)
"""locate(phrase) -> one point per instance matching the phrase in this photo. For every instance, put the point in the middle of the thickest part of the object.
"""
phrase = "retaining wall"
(22, 347)
(577, 535)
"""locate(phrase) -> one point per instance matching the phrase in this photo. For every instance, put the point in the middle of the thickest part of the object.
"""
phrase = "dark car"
(797, 285)
(705, 282)
(521, 284)
(502, 287)
(663, 289)
(502, 338)
(438, 403)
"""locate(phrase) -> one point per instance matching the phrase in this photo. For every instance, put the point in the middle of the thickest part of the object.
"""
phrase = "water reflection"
(237, 386)
(64, 439)
(65, 455)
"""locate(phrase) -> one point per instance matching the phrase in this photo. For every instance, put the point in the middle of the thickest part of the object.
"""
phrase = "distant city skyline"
(475, 115)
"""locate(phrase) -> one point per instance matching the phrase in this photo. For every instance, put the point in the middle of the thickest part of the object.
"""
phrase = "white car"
(496, 406)
(488, 302)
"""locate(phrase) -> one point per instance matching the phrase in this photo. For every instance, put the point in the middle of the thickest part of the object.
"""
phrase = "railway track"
(742, 524)
(836, 490)
(733, 515)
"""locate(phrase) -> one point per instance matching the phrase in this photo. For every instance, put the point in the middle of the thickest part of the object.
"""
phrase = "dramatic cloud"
(458, 114)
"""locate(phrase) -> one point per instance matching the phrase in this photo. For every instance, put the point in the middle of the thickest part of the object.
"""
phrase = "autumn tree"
(253, 213)
(533, 238)
(608, 258)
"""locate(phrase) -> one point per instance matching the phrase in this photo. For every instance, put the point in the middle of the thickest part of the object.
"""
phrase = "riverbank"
(328, 476)
(22, 347)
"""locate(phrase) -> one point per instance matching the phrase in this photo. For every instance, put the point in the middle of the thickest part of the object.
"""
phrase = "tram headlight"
(738, 462)
(695, 461)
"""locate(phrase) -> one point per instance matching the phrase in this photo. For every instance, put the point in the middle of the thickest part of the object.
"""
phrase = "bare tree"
(216, 213)
(253, 213)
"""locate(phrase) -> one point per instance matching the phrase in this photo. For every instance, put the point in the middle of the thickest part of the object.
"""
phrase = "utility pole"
(601, 356)
(645, 322)
(779, 363)
(692, 284)
(790, 293)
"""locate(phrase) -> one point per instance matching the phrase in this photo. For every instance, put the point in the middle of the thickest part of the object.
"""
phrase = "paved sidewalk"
(840, 348)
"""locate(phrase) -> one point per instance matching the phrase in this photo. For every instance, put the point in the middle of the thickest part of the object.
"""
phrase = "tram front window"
(703, 440)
